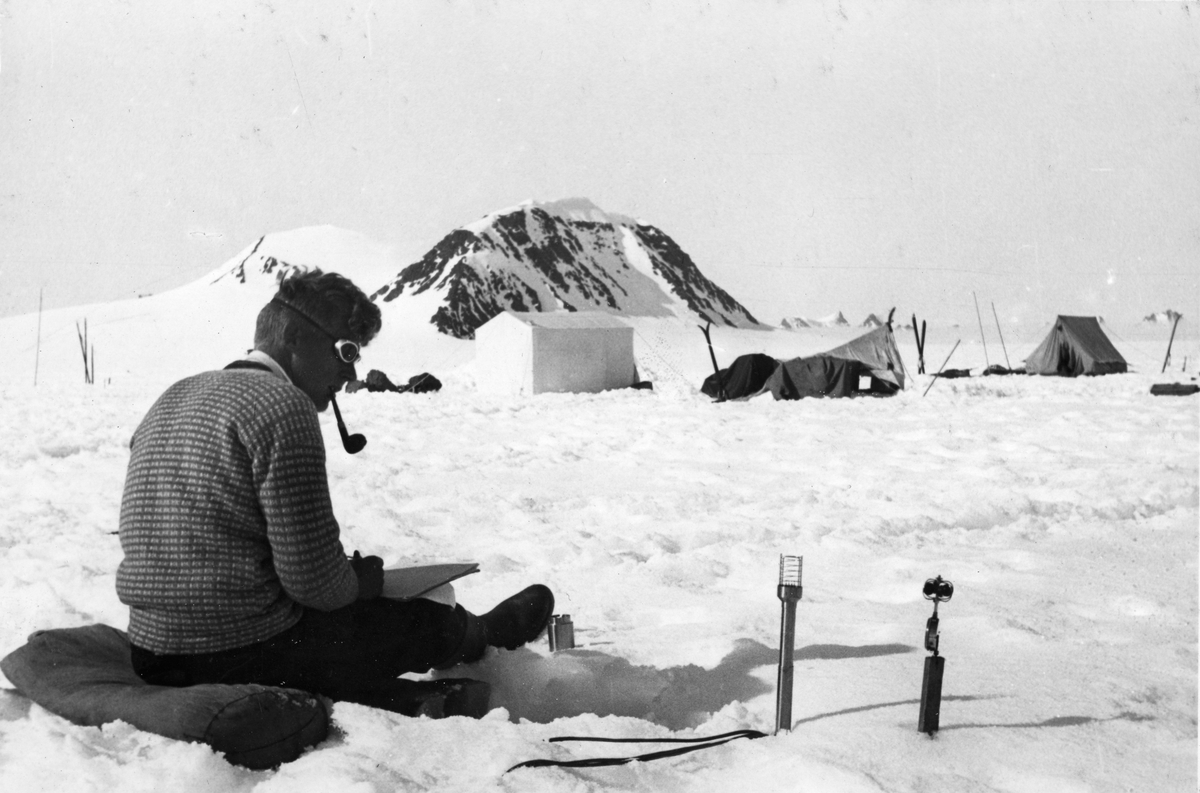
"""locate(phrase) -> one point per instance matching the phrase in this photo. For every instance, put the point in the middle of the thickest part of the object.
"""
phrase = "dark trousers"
(353, 654)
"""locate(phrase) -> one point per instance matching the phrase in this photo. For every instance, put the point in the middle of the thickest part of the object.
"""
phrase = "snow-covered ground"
(1064, 511)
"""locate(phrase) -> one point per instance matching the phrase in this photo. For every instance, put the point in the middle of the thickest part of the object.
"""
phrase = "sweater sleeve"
(288, 459)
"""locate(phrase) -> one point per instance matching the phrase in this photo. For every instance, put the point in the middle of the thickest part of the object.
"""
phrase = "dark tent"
(744, 377)
(878, 353)
(1075, 346)
(869, 364)
(817, 376)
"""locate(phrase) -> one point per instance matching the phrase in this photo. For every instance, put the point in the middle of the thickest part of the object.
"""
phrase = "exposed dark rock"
(531, 259)
(689, 283)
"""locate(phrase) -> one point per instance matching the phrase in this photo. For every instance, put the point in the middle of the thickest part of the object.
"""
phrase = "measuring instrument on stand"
(938, 590)
(789, 592)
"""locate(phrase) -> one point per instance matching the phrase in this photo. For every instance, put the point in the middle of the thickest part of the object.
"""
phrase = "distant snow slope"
(209, 322)
(558, 255)
(364, 261)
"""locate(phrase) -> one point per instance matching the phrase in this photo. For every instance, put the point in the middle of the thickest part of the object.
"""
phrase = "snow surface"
(1065, 512)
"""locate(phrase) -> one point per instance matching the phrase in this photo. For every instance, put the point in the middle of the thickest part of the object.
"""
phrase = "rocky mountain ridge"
(568, 255)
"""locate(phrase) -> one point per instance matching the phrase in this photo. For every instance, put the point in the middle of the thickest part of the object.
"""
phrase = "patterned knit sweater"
(226, 522)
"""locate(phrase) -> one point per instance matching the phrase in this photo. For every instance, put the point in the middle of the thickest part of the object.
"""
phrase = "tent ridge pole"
(940, 368)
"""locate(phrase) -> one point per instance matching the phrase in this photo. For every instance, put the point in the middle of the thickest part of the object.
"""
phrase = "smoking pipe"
(353, 444)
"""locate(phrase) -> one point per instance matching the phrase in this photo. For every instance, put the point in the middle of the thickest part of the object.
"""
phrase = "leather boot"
(474, 642)
(519, 619)
(514, 622)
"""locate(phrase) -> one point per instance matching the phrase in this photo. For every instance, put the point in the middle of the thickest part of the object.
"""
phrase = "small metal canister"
(561, 632)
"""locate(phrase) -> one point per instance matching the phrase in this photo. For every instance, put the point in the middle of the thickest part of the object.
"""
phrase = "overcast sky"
(810, 157)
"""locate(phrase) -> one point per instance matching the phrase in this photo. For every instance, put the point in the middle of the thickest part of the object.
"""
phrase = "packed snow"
(1065, 511)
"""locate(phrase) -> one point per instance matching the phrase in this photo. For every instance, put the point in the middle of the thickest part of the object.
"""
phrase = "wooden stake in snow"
(981, 336)
(1172, 341)
(943, 366)
(37, 355)
(1001, 334)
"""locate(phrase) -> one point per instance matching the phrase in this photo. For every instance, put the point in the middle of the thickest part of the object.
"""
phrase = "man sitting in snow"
(233, 569)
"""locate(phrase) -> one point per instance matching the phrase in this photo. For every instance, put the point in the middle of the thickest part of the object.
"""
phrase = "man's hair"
(324, 297)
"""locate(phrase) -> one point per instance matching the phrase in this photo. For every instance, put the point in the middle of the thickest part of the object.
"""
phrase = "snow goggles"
(344, 350)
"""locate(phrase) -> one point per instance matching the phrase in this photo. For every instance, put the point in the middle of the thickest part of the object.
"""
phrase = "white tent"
(536, 352)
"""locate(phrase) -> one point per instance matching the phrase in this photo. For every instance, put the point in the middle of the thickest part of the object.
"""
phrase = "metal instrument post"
(938, 590)
(789, 592)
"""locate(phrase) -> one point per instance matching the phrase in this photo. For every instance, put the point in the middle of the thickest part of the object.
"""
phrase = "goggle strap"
(337, 343)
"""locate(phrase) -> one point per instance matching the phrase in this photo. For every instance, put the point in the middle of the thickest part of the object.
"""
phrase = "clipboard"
(407, 583)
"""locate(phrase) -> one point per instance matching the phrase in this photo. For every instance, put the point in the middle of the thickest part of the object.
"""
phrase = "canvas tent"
(818, 376)
(539, 352)
(878, 353)
(1075, 346)
(868, 364)
(744, 377)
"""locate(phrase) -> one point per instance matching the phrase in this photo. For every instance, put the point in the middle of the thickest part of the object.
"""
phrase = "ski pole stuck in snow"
(722, 395)
(943, 366)
(789, 591)
(939, 591)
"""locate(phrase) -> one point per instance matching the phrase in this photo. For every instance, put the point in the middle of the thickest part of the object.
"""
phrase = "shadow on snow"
(574, 682)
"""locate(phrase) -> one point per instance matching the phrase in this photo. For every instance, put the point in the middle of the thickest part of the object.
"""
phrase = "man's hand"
(369, 570)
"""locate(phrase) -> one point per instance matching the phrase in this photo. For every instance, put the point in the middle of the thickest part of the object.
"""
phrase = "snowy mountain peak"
(580, 209)
(583, 209)
(835, 320)
(558, 255)
(832, 321)
(255, 269)
(365, 262)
